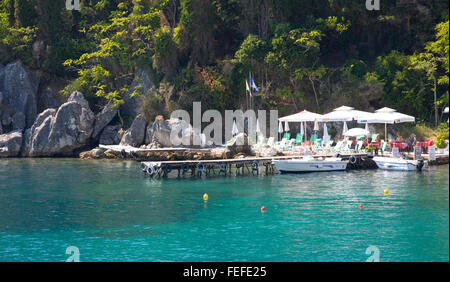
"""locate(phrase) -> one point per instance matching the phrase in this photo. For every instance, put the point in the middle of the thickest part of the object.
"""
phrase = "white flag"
(248, 88)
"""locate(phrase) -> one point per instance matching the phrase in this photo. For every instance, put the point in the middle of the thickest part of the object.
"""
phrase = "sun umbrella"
(343, 113)
(386, 115)
(235, 129)
(326, 137)
(280, 127)
(355, 132)
(316, 125)
(286, 126)
(258, 130)
(367, 127)
(301, 116)
(345, 127)
(302, 131)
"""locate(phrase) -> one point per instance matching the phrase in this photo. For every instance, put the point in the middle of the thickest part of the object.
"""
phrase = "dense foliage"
(314, 54)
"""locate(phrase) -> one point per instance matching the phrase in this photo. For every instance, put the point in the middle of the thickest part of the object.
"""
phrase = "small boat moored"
(398, 164)
(310, 164)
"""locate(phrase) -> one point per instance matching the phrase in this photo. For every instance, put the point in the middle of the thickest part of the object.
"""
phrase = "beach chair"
(287, 136)
(271, 141)
(358, 147)
(290, 144)
(313, 139)
(337, 148)
(329, 146)
(281, 145)
(383, 146)
(299, 139)
(316, 147)
(374, 137)
(348, 147)
(258, 145)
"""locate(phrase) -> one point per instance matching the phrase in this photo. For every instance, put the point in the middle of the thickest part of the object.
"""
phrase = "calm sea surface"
(112, 212)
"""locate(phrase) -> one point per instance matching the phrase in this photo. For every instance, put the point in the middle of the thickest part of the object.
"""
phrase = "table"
(424, 145)
(399, 144)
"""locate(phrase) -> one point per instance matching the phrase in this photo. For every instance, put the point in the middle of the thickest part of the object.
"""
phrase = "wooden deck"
(241, 166)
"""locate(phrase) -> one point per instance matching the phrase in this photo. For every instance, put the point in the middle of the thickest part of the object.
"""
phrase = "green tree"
(434, 58)
(128, 35)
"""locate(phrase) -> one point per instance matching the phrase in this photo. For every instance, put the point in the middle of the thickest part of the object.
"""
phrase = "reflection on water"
(112, 212)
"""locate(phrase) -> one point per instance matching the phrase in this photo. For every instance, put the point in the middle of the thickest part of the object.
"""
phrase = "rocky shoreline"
(72, 129)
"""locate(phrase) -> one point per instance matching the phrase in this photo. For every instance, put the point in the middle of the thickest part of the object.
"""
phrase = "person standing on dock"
(411, 142)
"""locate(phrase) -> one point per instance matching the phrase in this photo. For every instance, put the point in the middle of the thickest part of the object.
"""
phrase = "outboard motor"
(420, 164)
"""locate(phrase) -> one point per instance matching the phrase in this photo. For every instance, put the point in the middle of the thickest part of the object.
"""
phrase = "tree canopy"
(314, 54)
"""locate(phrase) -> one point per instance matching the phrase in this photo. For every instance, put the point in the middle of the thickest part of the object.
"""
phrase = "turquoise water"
(111, 212)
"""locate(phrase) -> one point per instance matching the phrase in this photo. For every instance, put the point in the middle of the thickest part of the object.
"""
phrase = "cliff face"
(59, 130)
(18, 88)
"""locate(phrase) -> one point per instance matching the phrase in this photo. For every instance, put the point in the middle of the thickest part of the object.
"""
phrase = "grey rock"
(268, 151)
(19, 87)
(62, 132)
(93, 154)
(39, 132)
(161, 133)
(103, 119)
(10, 144)
(148, 134)
(78, 97)
(18, 121)
(131, 105)
(47, 100)
(6, 119)
(135, 135)
(110, 135)
(182, 133)
(239, 144)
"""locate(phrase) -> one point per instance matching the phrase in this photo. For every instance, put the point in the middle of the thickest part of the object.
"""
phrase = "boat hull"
(397, 164)
(300, 166)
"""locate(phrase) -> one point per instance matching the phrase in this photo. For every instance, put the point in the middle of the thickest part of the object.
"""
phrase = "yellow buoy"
(386, 192)
(205, 197)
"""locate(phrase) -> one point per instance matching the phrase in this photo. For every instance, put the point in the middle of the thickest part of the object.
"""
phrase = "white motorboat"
(398, 163)
(310, 164)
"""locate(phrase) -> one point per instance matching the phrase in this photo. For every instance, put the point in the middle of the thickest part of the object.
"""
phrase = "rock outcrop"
(131, 106)
(19, 88)
(59, 133)
(135, 135)
(239, 144)
(103, 119)
(48, 100)
(110, 135)
(10, 144)
(161, 134)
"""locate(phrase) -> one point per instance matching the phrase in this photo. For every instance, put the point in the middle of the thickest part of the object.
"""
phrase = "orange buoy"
(205, 197)
(263, 208)
(361, 206)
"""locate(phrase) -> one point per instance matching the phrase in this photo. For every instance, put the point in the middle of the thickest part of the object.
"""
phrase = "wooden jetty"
(241, 166)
